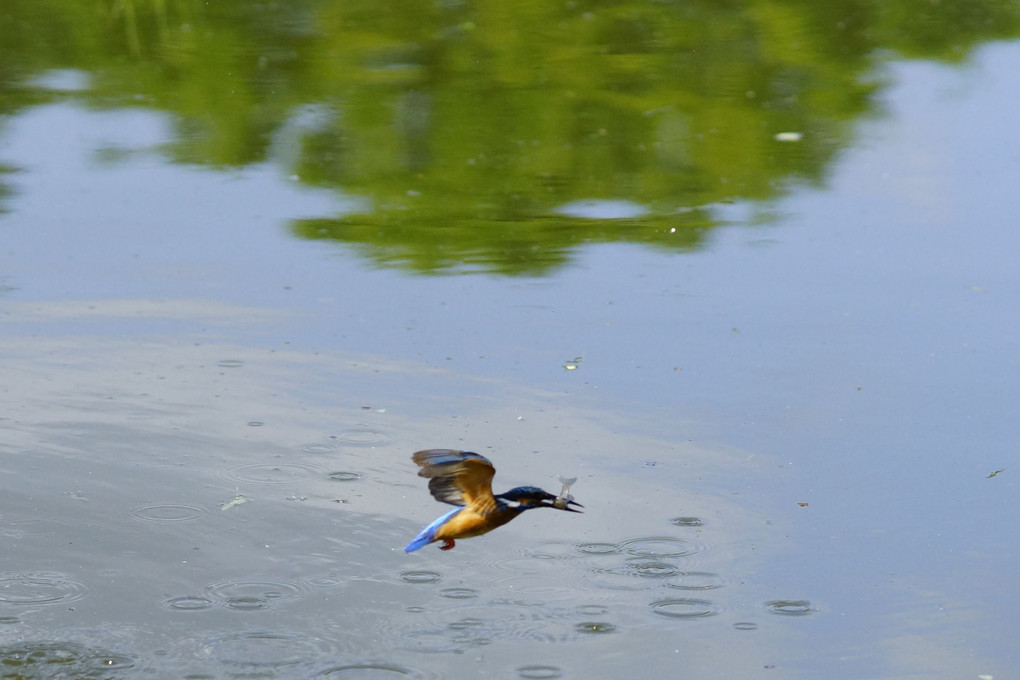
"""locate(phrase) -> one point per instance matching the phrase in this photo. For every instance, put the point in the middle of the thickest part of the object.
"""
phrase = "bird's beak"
(569, 509)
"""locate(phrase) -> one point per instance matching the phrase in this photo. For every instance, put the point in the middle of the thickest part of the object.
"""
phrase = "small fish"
(564, 498)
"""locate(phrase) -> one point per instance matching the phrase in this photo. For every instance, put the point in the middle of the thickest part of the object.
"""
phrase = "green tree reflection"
(472, 130)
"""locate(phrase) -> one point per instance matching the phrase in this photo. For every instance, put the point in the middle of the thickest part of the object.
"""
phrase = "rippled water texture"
(34, 588)
(747, 271)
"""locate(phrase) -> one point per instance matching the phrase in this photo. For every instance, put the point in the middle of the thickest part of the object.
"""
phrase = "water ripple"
(651, 567)
(319, 448)
(167, 513)
(790, 607)
(618, 578)
(695, 580)
(368, 671)
(188, 603)
(258, 652)
(363, 436)
(458, 593)
(271, 473)
(477, 625)
(598, 548)
(539, 672)
(39, 587)
(31, 527)
(255, 594)
(537, 587)
(552, 550)
(521, 565)
(430, 641)
(420, 576)
(657, 546)
(683, 608)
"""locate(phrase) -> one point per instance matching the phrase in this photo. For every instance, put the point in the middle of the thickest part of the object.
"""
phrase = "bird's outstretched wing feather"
(458, 477)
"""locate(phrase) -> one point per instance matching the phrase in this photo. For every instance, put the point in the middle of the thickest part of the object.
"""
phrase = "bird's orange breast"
(468, 523)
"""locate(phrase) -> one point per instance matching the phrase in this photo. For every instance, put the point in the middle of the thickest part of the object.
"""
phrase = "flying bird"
(464, 479)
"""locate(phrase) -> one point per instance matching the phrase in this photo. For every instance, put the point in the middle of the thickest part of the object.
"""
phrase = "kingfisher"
(464, 479)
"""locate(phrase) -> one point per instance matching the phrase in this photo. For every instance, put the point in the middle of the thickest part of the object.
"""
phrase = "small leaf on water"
(238, 500)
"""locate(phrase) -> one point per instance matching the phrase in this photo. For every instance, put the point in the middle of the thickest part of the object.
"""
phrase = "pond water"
(754, 286)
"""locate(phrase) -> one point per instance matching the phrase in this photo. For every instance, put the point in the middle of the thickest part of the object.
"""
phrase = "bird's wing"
(458, 477)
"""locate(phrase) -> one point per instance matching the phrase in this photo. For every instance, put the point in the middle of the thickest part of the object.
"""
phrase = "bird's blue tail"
(428, 534)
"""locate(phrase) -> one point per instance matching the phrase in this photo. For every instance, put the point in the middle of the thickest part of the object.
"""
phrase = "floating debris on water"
(237, 500)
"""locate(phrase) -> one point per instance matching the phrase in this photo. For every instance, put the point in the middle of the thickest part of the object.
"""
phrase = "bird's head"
(527, 497)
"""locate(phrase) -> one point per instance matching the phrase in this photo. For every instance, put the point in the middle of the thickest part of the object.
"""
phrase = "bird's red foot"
(447, 544)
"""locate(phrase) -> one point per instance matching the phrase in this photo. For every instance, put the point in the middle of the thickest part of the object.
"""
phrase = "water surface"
(754, 285)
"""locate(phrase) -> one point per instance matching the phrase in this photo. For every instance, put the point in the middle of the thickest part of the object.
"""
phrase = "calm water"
(755, 286)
